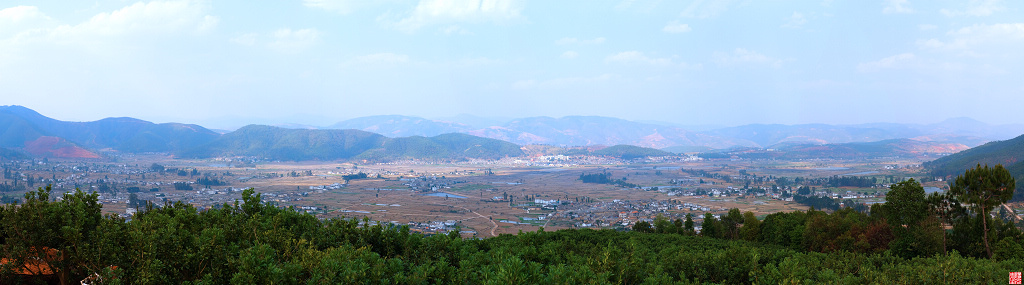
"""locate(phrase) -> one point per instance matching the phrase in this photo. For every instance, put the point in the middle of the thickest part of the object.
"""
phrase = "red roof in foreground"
(38, 264)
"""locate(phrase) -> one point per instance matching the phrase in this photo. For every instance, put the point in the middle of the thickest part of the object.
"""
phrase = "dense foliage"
(359, 175)
(605, 178)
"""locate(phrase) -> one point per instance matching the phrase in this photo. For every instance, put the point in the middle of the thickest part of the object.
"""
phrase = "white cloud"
(570, 54)
(455, 29)
(895, 61)
(676, 27)
(910, 61)
(19, 19)
(26, 23)
(927, 27)
(795, 21)
(744, 56)
(976, 8)
(703, 9)
(339, 6)
(572, 41)
(383, 58)
(451, 11)
(156, 16)
(245, 39)
(980, 40)
(293, 41)
(21, 14)
(897, 7)
(636, 57)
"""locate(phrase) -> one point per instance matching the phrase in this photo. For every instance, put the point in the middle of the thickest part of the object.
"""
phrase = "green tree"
(731, 223)
(663, 225)
(688, 226)
(751, 227)
(946, 208)
(984, 189)
(62, 234)
(905, 204)
(711, 227)
(643, 227)
(905, 209)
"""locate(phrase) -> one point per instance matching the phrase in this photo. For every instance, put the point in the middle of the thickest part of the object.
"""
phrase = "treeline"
(359, 175)
(817, 202)
(629, 152)
(598, 178)
(851, 181)
(210, 181)
(182, 186)
(605, 178)
(255, 243)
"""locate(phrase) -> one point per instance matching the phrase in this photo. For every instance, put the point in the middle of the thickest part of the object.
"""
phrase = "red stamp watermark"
(1014, 277)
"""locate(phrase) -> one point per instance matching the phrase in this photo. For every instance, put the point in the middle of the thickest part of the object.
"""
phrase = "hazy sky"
(224, 63)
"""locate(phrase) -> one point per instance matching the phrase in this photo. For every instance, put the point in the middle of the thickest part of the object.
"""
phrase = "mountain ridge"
(303, 144)
(1009, 153)
(415, 137)
(120, 133)
(598, 130)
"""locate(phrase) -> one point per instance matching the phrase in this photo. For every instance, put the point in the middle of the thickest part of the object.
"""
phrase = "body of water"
(442, 194)
(861, 173)
(929, 190)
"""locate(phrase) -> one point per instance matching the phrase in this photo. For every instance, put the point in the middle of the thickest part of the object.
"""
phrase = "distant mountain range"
(24, 131)
(593, 130)
(40, 135)
(304, 144)
(1009, 153)
(401, 126)
(854, 150)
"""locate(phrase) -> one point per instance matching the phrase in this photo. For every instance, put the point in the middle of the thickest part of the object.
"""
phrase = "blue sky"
(226, 63)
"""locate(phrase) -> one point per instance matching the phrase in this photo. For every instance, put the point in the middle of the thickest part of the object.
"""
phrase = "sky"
(224, 64)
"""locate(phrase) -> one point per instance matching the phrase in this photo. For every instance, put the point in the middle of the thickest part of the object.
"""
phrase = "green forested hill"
(289, 144)
(303, 144)
(630, 152)
(1009, 153)
(478, 147)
